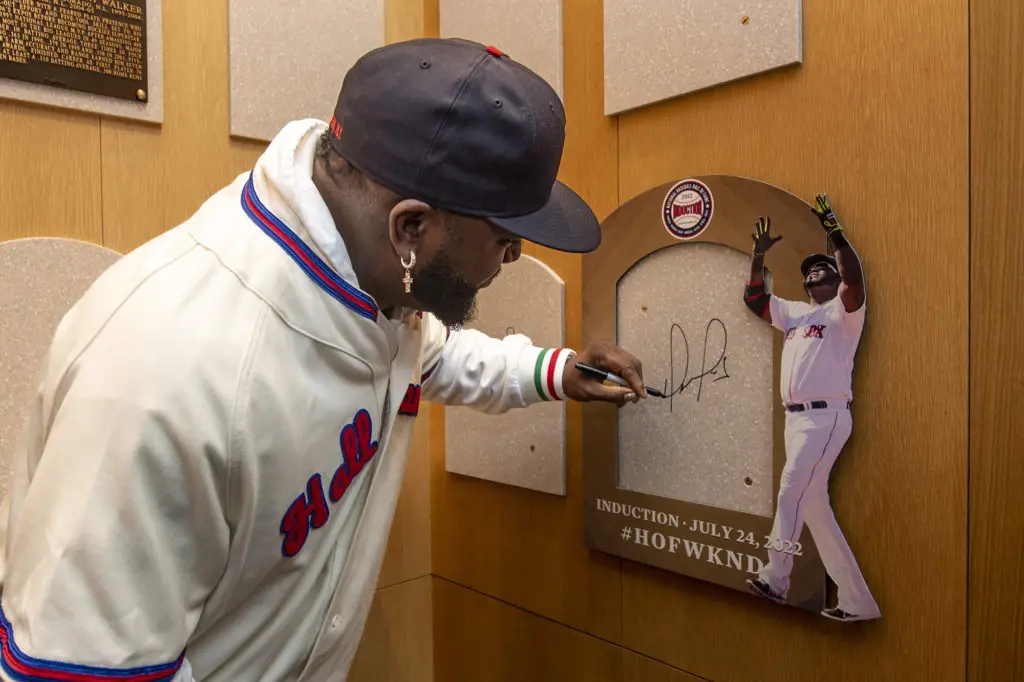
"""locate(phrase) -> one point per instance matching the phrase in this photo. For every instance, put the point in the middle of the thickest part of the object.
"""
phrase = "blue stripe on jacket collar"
(317, 270)
(19, 666)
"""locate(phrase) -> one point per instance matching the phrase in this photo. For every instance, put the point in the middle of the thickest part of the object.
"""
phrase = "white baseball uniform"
(816, 372)
(217, 444)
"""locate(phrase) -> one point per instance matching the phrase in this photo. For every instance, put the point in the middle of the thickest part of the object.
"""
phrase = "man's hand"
(851, 289)
(580, 387)
(827, 217)
(763, 239)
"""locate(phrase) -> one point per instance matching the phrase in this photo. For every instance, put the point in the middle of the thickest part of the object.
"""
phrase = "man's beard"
(441, 291)
(828, 289)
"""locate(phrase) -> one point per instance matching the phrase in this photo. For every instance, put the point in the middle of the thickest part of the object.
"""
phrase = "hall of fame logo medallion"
(687, 209)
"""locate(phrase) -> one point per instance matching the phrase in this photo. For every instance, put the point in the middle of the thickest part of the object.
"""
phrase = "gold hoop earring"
(407, 278)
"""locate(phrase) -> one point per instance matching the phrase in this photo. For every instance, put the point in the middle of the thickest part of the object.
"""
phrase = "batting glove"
(825, 215)
(763, 239)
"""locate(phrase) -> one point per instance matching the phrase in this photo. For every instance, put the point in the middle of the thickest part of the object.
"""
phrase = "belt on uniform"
(817, 405)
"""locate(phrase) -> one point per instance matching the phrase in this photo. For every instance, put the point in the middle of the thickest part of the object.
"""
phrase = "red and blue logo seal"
(687, 209)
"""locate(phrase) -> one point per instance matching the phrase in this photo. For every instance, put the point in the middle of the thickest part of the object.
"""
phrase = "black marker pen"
(614, 378)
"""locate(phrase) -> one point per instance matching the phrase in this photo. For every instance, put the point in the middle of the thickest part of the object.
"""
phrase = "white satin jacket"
(217, 444)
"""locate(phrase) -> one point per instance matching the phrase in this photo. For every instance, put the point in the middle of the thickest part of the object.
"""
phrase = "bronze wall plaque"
(94, 46)
(701, 482)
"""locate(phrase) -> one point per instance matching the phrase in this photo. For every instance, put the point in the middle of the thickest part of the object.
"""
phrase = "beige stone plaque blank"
(524, 447)
(40, 279)
(530, 31)
(681, 311)
(658, 49)
(150, 111)
(288, 59)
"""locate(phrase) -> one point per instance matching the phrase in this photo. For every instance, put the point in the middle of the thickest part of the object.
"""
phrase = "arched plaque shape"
(523, 447)
(40, 280)
(690, 483)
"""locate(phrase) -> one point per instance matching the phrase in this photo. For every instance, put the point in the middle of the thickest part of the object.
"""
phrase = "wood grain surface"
(477, 637)
(408, 551)
(398, 643)
(408, 19)
(50, 175)
(996, 626)
(637, 668)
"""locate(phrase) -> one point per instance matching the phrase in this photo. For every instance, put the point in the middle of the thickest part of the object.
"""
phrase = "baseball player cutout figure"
(821, 339)
(215, 449)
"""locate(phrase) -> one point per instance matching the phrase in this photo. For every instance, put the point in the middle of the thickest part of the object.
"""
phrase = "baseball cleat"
(763, 589)
(844, 616)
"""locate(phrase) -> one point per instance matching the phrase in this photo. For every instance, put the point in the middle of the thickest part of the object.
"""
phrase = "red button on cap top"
(493, 50)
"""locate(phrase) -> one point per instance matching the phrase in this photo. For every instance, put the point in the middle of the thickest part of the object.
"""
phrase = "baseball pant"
(814, 439)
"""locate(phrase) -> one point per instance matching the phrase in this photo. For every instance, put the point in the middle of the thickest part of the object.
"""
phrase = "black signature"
(714, 370)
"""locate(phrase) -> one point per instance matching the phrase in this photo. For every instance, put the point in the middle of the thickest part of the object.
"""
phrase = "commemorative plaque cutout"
(92, 46)
(726, 479)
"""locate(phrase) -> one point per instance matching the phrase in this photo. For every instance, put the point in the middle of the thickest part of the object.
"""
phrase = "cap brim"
(816, 259)
(565, 223)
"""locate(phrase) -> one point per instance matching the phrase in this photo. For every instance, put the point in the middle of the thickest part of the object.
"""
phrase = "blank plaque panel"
(523, 447)
(529, 31)
(681, 311)
(32, 303)
(658, 49)
(288, 59)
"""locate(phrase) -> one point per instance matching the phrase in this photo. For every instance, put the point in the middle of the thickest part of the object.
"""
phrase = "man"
(821, 340)
(219, 437)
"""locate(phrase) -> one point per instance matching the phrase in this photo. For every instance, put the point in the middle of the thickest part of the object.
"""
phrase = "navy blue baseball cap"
(466, 129)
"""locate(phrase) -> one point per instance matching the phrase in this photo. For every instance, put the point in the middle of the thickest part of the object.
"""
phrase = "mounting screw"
(140, 94)
(643, 307)
(745, 20)
(748, 481)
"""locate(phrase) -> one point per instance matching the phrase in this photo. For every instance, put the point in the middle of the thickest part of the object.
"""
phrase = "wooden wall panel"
(477, 637)
(408, 552)
(398, 644)
(637, 668)
(408, 19)
(156, 177)
(996, 626)
(521, 546)
(50, 174)
(886, 133)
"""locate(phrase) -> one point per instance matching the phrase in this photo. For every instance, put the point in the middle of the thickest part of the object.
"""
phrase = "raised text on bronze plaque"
(94, 46)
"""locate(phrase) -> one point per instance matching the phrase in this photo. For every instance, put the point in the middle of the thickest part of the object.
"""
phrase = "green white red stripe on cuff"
(547, 374)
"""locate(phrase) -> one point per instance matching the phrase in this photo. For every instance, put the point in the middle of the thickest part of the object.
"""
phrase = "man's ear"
(405, 224)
